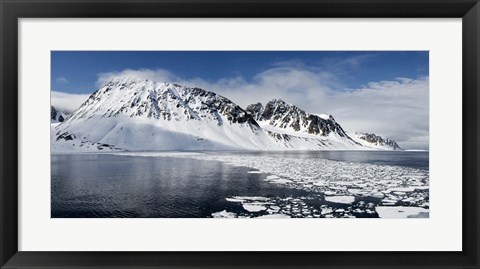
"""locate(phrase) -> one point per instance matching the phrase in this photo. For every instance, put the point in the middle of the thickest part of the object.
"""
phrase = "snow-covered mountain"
(132, 114)
(57, 115)
(375, 141)
(146, 115)
(281, 117)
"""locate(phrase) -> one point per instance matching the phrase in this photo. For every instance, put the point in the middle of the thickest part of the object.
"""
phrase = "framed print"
(239, 134)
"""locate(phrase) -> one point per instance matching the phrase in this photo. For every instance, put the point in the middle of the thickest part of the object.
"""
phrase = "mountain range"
(138, 115)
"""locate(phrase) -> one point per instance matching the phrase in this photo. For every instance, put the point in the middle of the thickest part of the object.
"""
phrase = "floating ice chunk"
(271, 211)
(277, 179)
(409, 189)
(342, 199)
(224, 214)
(252, 198)
(235, 200)
(274, 207)
(254, 207)
(401, 212)
(274, 216)
(327, 210)
(281, 181)
(376, 195)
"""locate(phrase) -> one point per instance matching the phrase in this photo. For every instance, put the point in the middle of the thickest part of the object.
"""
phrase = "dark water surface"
(413, 159)
(109, 186)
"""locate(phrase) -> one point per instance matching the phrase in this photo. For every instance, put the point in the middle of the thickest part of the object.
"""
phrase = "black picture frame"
(11, 11)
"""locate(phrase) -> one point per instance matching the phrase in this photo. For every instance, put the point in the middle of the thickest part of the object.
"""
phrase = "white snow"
(277, 179)
(224, 214)
(247, 198)
(324, 116)
(400, 212)
(254, 207)
(76, 145)
(274, 216)
(343, 199)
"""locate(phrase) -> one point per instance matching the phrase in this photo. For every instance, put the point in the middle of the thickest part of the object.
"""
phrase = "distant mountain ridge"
(375, 141)
(277, 113)
(132, 114)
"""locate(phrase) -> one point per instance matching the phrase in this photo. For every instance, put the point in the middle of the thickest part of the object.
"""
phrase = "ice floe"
(400, 212)
(254, 207)
(273, 216)
(340, 199)
(360, 189)
(224, 214)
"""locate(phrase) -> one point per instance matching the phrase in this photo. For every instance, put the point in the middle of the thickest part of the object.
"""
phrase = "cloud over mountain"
(67, 102)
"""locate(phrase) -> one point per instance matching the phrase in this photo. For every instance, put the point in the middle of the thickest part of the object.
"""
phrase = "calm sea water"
(109, 186)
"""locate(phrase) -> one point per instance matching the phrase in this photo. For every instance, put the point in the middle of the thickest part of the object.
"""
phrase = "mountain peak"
(133, 97)
(373, 140)
(285, 116)
(126, 79)
(278, 101)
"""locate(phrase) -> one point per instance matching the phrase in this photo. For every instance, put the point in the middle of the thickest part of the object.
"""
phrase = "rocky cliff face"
(56, 115)
(162, 101)
(279, 114)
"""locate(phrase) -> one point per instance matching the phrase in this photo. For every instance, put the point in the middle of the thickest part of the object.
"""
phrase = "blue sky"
(383, 92)
(78, 71)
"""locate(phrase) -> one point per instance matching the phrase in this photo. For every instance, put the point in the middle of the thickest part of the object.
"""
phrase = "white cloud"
(290, 84)
(67, 102)
(397, 109)
(62, 80)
